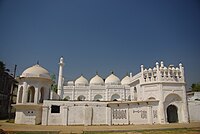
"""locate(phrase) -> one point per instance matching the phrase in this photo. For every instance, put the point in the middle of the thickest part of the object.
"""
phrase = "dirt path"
(79, 129)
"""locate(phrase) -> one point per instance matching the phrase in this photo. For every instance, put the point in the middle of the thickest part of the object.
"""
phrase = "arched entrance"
(20, 95)
(115, 97)
(98, 97)
(31, 94)
(81, 98)
(41, 95)
(172, 115)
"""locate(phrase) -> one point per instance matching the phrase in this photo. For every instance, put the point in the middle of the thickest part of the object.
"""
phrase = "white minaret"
(60, 78)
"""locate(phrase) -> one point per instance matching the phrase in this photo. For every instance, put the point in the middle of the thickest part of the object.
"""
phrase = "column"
(106, 99)
(161, 108)
(185, 107)
(18, 93)
(36, 95)
(25, 92)
(45, 113)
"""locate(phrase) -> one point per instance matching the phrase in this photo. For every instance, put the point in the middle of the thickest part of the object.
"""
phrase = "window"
(55, 109)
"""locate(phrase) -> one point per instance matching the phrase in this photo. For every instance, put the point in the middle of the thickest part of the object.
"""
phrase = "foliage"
(2, 67)
(54, 85)
(195, 87)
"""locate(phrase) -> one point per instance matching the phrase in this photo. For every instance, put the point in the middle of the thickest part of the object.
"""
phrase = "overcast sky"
(100, 35)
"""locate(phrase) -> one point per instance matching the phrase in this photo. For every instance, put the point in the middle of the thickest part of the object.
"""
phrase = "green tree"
(195, 87)
(54, 85)
(2, 67)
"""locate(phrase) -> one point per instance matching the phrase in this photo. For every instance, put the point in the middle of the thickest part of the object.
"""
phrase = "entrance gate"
(172, 115)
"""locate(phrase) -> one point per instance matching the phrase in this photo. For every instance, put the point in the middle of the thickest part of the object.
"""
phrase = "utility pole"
(11, 93)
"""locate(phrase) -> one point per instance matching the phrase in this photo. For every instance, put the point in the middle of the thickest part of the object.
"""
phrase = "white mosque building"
(153, 96)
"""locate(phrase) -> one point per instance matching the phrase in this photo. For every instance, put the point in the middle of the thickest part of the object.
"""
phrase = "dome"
(126, 80)
(36, 71)
(96, 80)
(81, 81)
(112, 80)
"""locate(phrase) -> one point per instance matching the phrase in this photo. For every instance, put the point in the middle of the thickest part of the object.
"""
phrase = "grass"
(163, 131)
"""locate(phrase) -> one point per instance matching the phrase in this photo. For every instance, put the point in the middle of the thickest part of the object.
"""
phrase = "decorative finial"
(37, 62)
(96, 72)
(112, 72)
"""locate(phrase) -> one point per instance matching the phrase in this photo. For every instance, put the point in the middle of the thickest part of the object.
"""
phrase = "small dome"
(36, 71)
(81, 81)
(112, 80)
(125, 80)
(96, 80)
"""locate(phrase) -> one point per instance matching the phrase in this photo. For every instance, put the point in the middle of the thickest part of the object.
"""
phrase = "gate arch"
(172, 114)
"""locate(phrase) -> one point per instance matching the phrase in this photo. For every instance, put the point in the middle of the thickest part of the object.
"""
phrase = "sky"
(100, 35)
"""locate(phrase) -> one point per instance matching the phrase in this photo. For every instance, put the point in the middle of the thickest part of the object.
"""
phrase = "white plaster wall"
(151, 91)
(138, 114)
(76, 115)
(99, 116)
(194, 109)
(24, 116)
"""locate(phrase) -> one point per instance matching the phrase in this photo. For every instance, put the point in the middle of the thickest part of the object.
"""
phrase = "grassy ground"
(163, 131)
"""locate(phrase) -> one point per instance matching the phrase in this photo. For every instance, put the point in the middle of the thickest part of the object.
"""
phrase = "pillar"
(161, 108)
(185, 107)
(25, 92)
(36, 96)
(45, 113)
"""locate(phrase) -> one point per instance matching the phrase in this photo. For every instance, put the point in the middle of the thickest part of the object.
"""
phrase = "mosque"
(155, 95)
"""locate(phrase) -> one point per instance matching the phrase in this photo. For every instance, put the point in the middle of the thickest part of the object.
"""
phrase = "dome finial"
(96, 72)
(37, 62)
(112, 72)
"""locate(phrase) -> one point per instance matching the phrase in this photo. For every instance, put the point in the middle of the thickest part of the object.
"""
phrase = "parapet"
(161, 73)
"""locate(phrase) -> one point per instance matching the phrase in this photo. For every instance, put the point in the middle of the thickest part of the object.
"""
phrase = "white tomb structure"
(154, 95)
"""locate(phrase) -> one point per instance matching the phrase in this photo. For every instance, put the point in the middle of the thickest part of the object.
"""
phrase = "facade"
(154, 95)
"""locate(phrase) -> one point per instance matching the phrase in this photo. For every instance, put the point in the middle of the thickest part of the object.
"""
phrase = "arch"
(67, 98)
(172, 114)
(41, 95)
(172, 98)
(81, 98)
(31, 94)
(129, 98)
(135, 90)
(98, 97)
(115, 97)
(20, 94)
(151, 98)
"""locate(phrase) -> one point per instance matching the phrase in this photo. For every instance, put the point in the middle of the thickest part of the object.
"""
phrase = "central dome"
(112, 80)
(97, 80)
(36, 71)
(81, 81)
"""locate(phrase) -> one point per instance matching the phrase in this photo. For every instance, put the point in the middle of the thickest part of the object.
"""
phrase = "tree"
(195, 87)
(2, 67)
(54, 85)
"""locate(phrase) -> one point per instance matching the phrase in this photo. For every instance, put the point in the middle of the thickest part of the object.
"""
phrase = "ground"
(174, 128)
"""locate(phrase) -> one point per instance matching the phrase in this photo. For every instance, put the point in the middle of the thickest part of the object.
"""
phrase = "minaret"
(60, 78)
